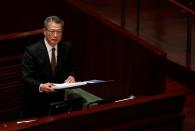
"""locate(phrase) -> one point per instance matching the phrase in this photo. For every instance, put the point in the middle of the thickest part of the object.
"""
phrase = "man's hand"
(70, 79)
(47, 87)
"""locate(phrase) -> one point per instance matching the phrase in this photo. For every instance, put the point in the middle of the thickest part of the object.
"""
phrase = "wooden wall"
(106, 51)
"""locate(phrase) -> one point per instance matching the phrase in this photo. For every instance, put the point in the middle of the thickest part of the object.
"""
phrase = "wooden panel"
(11, 90)
(146, 113)
(11, 86)
(106, 51)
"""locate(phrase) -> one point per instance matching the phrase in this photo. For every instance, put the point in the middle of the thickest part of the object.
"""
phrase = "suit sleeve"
(28, 71)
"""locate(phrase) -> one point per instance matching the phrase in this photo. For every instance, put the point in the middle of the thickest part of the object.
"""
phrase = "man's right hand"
(46, 87)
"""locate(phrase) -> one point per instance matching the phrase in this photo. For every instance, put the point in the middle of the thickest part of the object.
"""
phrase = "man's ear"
(44, 31)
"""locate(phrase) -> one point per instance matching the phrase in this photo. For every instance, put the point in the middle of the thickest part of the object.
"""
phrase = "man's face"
(53, 33)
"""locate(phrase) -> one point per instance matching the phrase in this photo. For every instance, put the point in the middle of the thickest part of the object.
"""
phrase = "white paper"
(68, 85)
(97, 81)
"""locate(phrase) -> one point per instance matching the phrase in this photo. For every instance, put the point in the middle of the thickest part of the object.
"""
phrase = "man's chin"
(54, 43)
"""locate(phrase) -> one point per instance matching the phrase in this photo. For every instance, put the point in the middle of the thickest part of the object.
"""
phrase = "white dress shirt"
(49, 49)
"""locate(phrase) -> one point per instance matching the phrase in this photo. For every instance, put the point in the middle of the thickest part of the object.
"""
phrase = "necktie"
(53, 61)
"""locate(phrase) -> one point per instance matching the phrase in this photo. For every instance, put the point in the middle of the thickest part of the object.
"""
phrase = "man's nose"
(55, 33)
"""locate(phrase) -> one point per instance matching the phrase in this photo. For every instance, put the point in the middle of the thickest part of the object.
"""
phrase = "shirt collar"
(48, 46)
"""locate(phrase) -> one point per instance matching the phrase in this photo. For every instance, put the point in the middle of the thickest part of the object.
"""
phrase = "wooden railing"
(17, 35)
(183, 7)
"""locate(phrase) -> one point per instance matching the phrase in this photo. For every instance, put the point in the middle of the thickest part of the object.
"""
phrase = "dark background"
(25, 15)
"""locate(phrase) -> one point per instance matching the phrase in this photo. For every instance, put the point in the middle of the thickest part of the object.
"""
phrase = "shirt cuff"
(40, 88)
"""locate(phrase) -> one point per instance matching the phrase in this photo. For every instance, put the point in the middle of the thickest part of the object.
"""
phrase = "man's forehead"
(52, 25)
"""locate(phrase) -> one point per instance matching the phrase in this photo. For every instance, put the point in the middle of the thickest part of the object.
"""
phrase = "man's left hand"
(70, 79)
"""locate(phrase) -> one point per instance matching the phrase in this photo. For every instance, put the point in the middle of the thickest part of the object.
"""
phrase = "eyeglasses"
(52, 32)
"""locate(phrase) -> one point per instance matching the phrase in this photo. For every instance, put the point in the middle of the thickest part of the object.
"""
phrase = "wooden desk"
(159, 112)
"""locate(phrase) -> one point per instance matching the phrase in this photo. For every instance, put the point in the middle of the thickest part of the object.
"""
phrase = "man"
(45, 62)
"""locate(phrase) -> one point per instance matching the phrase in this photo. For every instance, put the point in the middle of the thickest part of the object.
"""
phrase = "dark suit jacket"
(36, 69)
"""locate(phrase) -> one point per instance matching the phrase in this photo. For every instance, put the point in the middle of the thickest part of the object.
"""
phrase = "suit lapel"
(45, 59)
